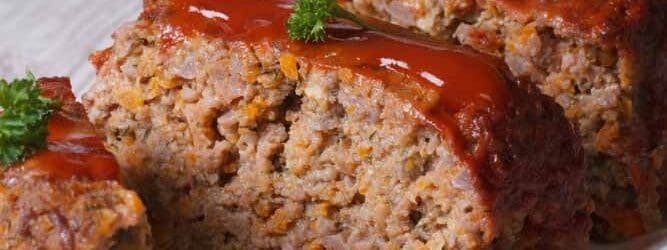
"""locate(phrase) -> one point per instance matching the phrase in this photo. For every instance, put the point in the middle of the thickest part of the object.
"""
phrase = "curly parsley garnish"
(23, 120)
(308, 21)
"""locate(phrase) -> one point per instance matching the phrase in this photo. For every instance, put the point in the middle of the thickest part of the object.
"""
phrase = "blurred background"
(55, 37)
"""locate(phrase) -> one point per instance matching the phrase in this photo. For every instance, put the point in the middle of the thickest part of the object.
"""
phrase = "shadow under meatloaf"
(65, 196)
(237, 137)
(597, 59)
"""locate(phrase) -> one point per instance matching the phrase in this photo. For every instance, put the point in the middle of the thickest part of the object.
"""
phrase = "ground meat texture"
(38, 212)
(237, 144)
(46, 203)
(597, 59)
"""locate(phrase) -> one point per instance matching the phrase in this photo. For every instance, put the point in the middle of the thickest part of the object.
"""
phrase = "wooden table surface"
(55, 37)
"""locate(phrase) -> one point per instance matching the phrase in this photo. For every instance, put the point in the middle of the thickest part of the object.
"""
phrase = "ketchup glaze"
(73, 148)
(462, 79)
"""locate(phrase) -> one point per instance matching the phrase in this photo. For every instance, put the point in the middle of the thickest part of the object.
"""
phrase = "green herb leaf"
(24, 119)
(308, 21)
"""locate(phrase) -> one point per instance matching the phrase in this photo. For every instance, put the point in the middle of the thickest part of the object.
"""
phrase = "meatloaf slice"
(238, 138)
(64, 197)
(597, 59)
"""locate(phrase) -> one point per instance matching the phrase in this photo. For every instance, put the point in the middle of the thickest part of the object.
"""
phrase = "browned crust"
(536, 159)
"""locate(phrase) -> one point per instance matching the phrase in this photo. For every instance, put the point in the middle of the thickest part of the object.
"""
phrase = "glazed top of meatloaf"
(603, 21)
(66, 196)
(73, 147)
(459, 92)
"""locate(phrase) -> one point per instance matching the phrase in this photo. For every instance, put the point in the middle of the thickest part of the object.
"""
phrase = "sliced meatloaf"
(597, 59)
(65, 197)
(238, 138)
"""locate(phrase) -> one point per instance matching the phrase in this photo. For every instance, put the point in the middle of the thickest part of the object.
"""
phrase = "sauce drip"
(73, 147)
(460, 78)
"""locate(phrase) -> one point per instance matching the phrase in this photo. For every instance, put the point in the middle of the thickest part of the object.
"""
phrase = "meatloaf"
(597, 59)
(65, 196)
(238, 138)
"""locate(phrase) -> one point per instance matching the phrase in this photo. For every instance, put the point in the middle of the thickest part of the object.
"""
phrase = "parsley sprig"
(308, 21)
(24, 119)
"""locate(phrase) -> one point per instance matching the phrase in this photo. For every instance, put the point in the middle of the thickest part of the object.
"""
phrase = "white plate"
(55, 37)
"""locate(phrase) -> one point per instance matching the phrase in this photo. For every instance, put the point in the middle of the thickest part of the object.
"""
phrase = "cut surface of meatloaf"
(237, 137)
(597, 59)
(65, 196)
